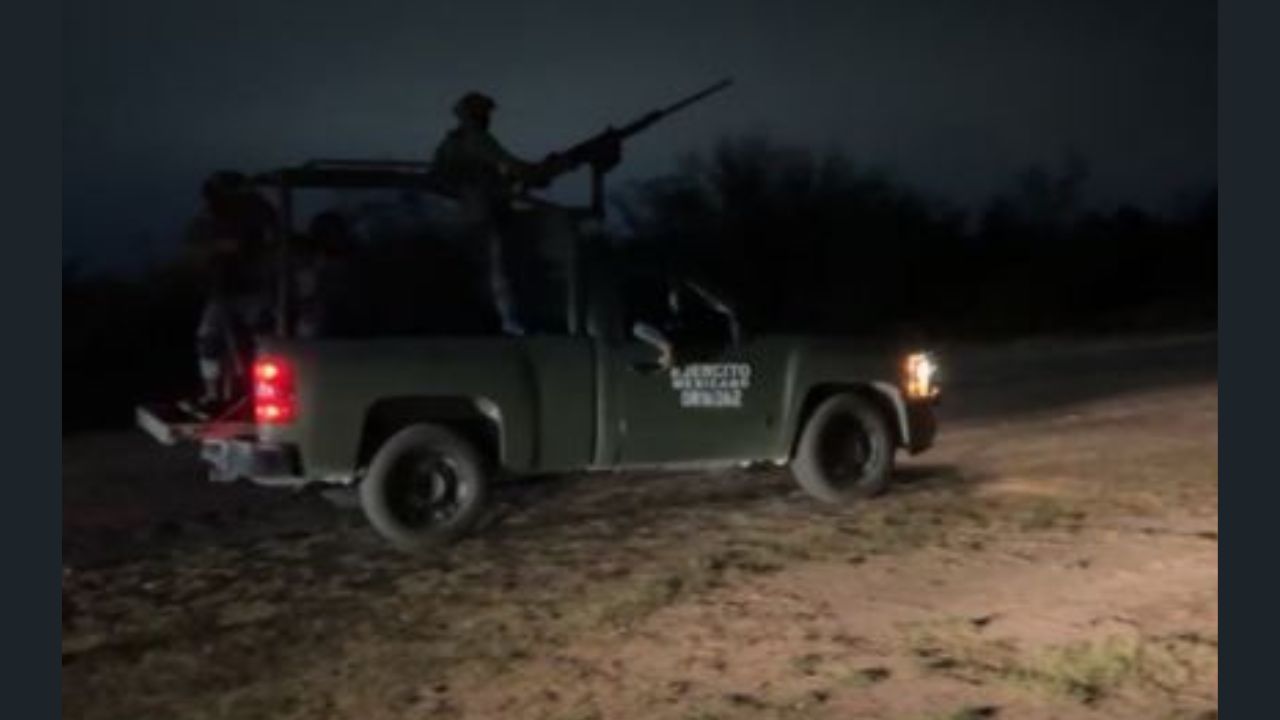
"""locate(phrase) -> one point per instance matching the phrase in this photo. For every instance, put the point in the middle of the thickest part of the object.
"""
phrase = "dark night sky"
(953, 97)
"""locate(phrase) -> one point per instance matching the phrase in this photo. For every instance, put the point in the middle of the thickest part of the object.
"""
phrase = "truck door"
(721, 401)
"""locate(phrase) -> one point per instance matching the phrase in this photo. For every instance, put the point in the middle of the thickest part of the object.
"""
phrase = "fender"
(891, 393)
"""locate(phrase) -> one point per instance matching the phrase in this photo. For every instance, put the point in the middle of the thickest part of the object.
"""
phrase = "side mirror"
(725, 332)
(653, 338)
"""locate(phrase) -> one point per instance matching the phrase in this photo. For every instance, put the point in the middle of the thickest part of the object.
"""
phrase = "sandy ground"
(1052, 557)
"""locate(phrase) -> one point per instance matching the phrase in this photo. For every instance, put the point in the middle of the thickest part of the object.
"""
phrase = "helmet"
(473, 105)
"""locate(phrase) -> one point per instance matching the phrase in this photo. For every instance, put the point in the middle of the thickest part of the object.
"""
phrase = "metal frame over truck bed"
(167, 423)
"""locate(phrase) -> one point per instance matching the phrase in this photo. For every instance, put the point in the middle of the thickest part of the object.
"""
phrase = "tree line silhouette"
(819, 244)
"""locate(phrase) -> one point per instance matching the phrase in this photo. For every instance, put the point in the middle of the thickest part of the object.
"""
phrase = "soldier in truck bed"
(485, 175)
(230, 240)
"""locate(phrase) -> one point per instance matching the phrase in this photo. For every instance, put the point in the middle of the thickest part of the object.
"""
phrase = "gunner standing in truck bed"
(484, 175)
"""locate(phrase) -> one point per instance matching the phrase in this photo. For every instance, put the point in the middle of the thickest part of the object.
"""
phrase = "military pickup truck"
(645, 370)
(423, 427)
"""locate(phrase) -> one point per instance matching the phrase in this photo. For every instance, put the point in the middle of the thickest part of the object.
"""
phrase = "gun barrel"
(717, 87)
(584, 151)
(655, 115)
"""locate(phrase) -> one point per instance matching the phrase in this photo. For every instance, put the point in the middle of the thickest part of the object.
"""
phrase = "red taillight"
(273, 396)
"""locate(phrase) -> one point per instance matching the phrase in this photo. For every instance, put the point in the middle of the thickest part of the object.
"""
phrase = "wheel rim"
(845, 450)
(426, 490)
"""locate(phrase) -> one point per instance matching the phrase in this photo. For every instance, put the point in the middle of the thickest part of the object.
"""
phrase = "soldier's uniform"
(482, 173)
(230, 238)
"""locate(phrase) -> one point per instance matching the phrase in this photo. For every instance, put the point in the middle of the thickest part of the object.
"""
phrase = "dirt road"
(1054, 556)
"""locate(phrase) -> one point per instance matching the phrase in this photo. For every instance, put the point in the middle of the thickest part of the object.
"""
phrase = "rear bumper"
(249, 459)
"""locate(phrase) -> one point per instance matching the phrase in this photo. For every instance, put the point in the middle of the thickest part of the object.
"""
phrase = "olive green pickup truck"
(423, 426)
(648, 372)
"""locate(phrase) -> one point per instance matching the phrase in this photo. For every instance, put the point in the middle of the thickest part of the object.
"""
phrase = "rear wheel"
(426, 486)
(845, 451)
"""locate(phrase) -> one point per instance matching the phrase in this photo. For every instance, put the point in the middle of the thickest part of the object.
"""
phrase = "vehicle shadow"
(540, 503)
(929, 477)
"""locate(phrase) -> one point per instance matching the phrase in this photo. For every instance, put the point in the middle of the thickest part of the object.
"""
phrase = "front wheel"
(845, 451)
(426, 487)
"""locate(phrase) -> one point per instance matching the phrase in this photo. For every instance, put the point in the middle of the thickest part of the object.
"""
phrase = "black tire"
(426, 487)
(845, 451)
